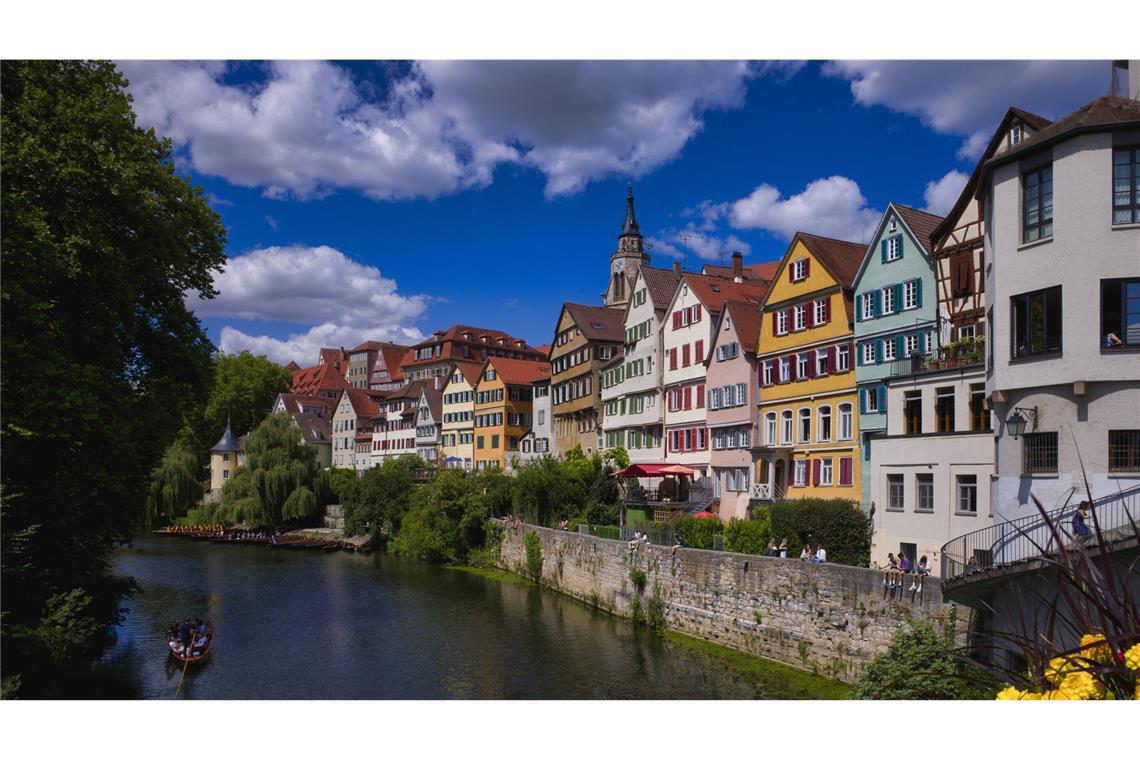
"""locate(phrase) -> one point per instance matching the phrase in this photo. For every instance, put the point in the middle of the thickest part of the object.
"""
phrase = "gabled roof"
(310, 381)
(598, 322)
(434, 401)
(745, 318)
(545, 349)
(714, 291)
(393, 356)
(292, 366)
(921, 223)
(411, 390)
(765, 271)
(478, 337)
(314, 429)
(337, 357)
(841, 257)
(294, 402)
(518, 371)
(365, 402)
(661, 284)
(1105, 112)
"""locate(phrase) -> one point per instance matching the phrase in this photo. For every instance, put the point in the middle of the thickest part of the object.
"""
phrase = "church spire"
(630, 226)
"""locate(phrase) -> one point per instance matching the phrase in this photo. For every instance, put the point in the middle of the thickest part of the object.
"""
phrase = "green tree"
(102, 361)
(175, 486)
(920, 665)
(447, 519)
(282, 481)
(377, 503)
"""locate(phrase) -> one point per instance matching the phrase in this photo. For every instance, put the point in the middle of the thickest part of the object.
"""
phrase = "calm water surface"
(310, 625)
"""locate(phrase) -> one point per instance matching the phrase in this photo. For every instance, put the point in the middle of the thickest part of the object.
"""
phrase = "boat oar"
(185, 665)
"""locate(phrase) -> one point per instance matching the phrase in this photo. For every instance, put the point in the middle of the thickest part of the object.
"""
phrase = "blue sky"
(387, 200)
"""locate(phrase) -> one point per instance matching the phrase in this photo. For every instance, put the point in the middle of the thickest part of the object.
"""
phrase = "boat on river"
(189, 641)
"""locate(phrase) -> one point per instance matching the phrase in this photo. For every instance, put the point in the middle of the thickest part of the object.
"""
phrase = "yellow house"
(504, 397)
(457, 432)
(809, 444)
(225, 456)
(585, 340)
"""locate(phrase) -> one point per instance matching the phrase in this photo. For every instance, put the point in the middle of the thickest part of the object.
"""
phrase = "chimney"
(677, 270)
(737, 264)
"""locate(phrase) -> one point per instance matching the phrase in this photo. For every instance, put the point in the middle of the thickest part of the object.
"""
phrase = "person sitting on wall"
(1080, 525)
(890, 570)
(771, 550)
(921, 570)
(820, 556)
(805, 553)
(972, 566)
(904, 568)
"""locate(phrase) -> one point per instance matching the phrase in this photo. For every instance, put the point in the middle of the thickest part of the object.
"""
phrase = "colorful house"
(809, 445)
(503, 409)
(224, 461)
(895, 314)
(457, 431)
(585, 339)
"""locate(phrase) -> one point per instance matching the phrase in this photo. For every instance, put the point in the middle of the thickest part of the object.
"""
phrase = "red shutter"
(696, 442)
(697, 313)
(689, 397)
(788, 316)
(699, 353)
(811, 363)
(672, 358)
(845, 471)
(807, 268)
(827, 310)
(831, 365)
(701, 396)
(810, 316)
(793, 368)
(816, 466)
(791, 473)
(676, 319)
(772, 316)
(685, 355)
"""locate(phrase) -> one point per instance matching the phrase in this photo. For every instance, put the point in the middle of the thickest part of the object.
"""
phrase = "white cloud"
(348, 302)
(442, 127)
(941, 194)
(832, 207)
(969, 97)
(690, 241)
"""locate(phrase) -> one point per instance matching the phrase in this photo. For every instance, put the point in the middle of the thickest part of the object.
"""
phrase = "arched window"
(770, 428)
(805, 425)
(786, 435)
(846, 422)
(823, 431)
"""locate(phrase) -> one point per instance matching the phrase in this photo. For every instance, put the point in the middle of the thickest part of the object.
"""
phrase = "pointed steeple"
(229, 441)
(630, 226)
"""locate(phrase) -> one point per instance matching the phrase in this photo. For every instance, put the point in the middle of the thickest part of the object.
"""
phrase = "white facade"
(538, 441)
(934, 485)
(427, 430)
(684, 343)
(394, 434)
(344, 433)
(1047, 345)
(632, 408)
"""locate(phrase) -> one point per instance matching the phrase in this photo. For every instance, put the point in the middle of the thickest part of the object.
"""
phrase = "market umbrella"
(706, 514)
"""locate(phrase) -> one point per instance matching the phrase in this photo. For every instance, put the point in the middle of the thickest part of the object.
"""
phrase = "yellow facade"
(793, 391)
(503, 407)
(458, 426)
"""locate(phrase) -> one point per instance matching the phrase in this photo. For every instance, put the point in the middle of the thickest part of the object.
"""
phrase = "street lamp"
(1016, 421)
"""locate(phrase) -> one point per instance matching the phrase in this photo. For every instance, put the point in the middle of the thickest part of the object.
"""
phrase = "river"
(310, 625)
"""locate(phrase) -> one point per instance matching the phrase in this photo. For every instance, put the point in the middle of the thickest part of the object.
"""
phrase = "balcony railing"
(767, 492)
(945, 357)
(1031, 537)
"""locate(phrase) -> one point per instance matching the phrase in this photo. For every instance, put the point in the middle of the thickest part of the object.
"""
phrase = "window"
(782, 322)
(1015, 134)
(912, 413)
(910, 294)
(1039, 453)
(944, 410)
(825, 471)
(894, 248)
(1124, 451)
(868, 353)
(768, 373)
(869, 305)
(967, 332)
(225, 474)
(800, 473)
(824, 430)
(1037, 204)
(821, 362)
(924, 491)
(805, 425)
(786, 425)
(801, 366)
(887, 296)
(979, 415)
(968, 494)
(800, 317)
(479, 442)
(910, 345)
(846, 422)
(871, 400)
(225, 457)
(1120, 313)
(895, 493)
(1035, 323)
(785, 369)
(888, 349)
(842, 358)
(1126, 185)
(820, 316)
(799, 269)
(770, 428)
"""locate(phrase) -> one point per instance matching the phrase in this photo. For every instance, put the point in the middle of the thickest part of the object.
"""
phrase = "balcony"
(961, 354)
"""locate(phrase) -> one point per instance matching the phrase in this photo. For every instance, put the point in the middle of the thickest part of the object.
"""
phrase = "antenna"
(685, 244)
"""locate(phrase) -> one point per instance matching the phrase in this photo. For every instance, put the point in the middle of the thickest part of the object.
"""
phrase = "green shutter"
(878, 351)
(918, 292)
(898, 298)
(859, 307)
(876, 302)
(900, 346)
(863, 400)
(883, 245)
(900, 247)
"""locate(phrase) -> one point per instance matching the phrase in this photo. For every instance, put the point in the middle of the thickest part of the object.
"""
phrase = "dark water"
(310, 625)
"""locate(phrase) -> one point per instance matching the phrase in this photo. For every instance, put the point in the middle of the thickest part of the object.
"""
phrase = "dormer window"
(893, 227)
(1015, 134)
(799, 270)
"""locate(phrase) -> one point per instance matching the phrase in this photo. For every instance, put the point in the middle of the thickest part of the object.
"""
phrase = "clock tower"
(626, 259)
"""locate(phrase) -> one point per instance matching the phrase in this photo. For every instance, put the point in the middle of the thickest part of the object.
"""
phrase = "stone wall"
(830, 619)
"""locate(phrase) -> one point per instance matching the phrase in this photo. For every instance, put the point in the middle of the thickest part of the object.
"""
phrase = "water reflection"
(300, 625)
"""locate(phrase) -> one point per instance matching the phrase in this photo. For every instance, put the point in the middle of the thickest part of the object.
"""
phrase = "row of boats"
(275, 540)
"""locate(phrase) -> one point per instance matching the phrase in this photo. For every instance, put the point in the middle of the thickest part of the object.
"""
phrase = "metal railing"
(943, 358)
(1030, 537)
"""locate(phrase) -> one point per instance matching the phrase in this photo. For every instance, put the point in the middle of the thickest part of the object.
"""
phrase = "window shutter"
(809, 318)
(792, 473)
(827, 310)
(688, 397)
(900, 345)
(876, 302)
(816, 466)
(676, 319)
(898, 298)
(793, 368)
(788, 313)
(832, 364)
(900, 246)
(918, 293)
(810, 363)
(845, 471)
(863, 400)
(878, 351)
(882, 397)
(772, 316)
(883, 245)
(858, 307)
(807, 268)
(701, 396)
(672, 358)
(699, 352)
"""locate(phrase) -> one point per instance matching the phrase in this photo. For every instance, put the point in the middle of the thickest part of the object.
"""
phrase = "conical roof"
(630, 226)
(228, 442)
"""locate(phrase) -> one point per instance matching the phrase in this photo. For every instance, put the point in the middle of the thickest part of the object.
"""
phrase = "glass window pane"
(1122, 216)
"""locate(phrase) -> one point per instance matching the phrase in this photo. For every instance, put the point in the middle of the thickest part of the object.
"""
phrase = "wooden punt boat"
(197, 651)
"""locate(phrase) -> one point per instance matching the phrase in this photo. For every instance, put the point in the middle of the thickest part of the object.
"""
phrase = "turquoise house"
(896, 308)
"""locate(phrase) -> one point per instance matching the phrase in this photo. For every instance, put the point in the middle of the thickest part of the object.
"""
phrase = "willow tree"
(281, 480)
(174, 485)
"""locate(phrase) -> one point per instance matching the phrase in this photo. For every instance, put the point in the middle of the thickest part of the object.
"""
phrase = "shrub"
(533, 547)
(637, 577)
(836, 524)
(747, 536)
(697, 532)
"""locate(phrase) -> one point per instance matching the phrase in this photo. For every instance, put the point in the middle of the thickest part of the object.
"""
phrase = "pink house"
(733, 398)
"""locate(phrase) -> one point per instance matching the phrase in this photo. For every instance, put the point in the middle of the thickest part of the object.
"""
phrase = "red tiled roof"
(841, 257)
(545, 349)
(470, 371)
(434, 400)
(921, 223)
(393, 357)
(714, 291)
(336, 357)
(294, 402)
(1104, 112)
(661, 284)
(314, 429)
(365, 402)
(310, 381)
(292, 366)
(453, 338)
(746, 321)
(765, 271)
(519, 372)
(598, 322)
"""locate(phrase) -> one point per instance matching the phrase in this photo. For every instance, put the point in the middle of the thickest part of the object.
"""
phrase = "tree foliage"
(837, 525)
(447, 518)
(747, 536)
(377, 502)
(102, 361)
(175, 486)
(282, 481)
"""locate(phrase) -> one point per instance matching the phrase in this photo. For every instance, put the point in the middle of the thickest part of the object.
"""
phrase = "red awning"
(653, 471)
(706, 515)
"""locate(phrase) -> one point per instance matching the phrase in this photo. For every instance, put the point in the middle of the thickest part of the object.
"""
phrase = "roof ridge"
(833, 240)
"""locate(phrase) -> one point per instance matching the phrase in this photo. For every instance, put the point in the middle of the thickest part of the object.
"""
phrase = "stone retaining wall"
(830, 619)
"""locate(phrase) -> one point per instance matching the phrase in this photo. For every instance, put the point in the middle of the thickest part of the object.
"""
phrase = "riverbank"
(829, 620)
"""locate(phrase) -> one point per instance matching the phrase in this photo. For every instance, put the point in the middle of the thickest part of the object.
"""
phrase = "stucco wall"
(828, 618)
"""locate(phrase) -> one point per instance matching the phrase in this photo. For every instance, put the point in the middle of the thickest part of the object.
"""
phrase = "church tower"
(626, 259)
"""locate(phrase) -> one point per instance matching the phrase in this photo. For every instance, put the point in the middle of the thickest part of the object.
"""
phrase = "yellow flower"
(1094, 647)
(1059, 667)
(1055, 694)
(1009, 693)
(1132, 657)
(1082, 685)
